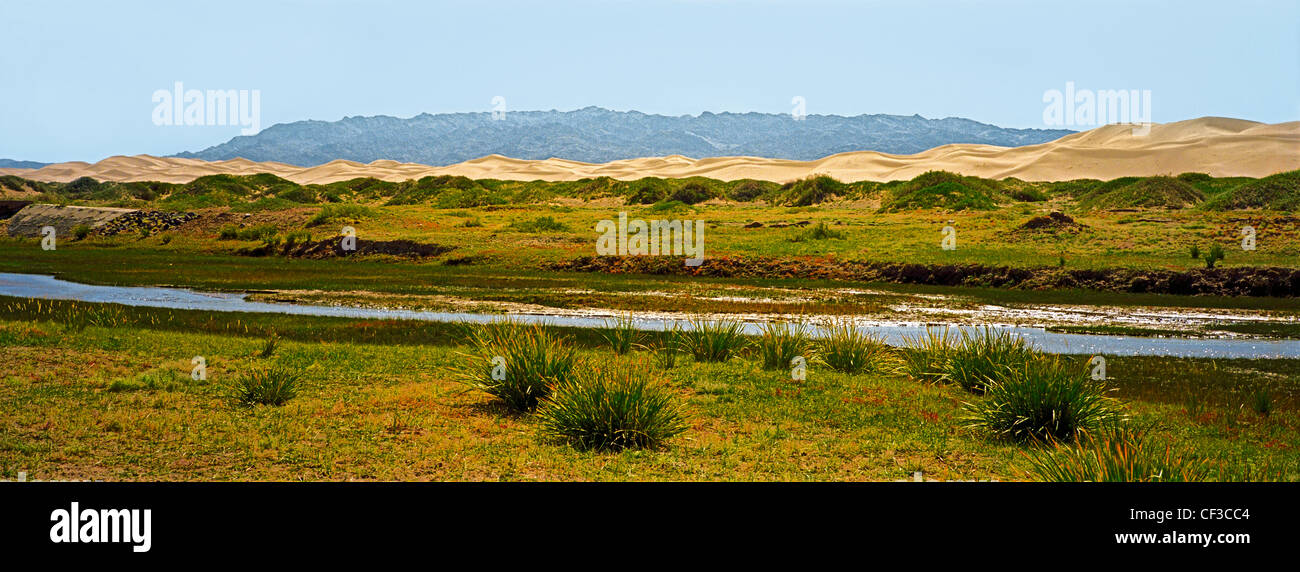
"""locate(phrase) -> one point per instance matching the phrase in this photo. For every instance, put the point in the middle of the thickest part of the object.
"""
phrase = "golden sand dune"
(1215, 145)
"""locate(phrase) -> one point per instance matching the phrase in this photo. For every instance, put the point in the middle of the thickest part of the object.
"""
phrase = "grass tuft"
(1116, 455)
(271, 386)
(713, 341)
(517, 363)
(612, 408)
(849, 349)
(778, 343)
(1046, 400)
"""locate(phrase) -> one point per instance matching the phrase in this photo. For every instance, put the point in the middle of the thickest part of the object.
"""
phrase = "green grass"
(1043, 400)
(611, 408)
(978, 359)
(1117, 455)
(517, 363)
(341, 213)
(713, 341)
(385, 406)
(847, 348)
(779, 343)
(1143, 192)
(818, 232)
(621, 334)
(271, 386)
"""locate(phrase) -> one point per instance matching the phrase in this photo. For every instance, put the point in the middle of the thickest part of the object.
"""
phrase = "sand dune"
(1219, 146)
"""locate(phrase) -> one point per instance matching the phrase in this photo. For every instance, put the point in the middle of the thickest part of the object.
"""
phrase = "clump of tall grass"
(778, 343)
(818, 232)
(1261, 401)
(1046, 400)
(270, 386)
(668, 346)
(849, 349)
(925, 357)
(1214, 256)
(1115, 455)
(268, 347)
(516, 363)
(713, 341)
(978, 359)
(621, 334)
(615, 407)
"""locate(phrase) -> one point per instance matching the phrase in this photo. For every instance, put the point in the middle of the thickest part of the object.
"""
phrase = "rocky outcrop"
(32, 218)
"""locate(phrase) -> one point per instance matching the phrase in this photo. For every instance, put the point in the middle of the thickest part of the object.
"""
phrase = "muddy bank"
(333, 248)
(1231, 281)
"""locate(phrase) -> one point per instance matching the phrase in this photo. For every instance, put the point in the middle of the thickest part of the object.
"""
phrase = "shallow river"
(37, 286)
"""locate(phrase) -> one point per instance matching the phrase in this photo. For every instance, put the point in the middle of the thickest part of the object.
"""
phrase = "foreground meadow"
(117, 402)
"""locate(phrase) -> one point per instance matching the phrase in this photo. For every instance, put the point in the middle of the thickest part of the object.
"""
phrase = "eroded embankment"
(1232, 281)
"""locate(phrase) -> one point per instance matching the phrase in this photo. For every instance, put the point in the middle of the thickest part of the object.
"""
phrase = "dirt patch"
(1055, 222)
(333, 248)
(1233, 281)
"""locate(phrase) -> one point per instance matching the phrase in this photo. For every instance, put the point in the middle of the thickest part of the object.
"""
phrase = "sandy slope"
(1215, 145)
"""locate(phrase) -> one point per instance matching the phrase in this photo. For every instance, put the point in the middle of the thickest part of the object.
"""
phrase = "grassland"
(104, 391)
(116, 402)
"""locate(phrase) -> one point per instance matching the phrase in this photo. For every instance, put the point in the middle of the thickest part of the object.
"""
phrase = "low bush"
(847, 348)
(713, 341)
(516, 363)
(271, 386)
(778, 343)
(1046, 400)
(613, 407)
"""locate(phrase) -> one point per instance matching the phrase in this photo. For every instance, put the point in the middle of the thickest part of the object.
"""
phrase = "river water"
(38, 286)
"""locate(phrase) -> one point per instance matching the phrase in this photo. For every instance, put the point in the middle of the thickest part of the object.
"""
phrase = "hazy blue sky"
(78, 77)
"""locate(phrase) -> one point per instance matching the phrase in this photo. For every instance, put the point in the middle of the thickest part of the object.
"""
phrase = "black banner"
(158, 522)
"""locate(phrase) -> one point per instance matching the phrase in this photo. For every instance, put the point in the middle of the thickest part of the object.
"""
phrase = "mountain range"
(597, 135)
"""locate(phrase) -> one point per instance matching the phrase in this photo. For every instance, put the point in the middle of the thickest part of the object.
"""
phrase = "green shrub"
(614, 407)
(342, 212)
(262, 232)
(81, 231)
(749, 190)
(1114, 455)
(540, 224)
(1045, 400)
(647, 190)
(778, 343)
(847, 348)
(1213, 256)
(812, 190)
(942, 190)
(1195, 251)
(517, 363)
(713, 341)
(690, 193)
(818, 232)
(271, 386)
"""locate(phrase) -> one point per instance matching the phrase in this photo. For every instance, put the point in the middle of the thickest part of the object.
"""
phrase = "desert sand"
(1218, 146)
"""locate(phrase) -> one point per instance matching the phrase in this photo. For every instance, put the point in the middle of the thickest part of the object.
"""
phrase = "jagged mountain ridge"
(596, 135)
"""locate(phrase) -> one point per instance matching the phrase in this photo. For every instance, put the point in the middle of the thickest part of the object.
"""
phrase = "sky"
(79, 78)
